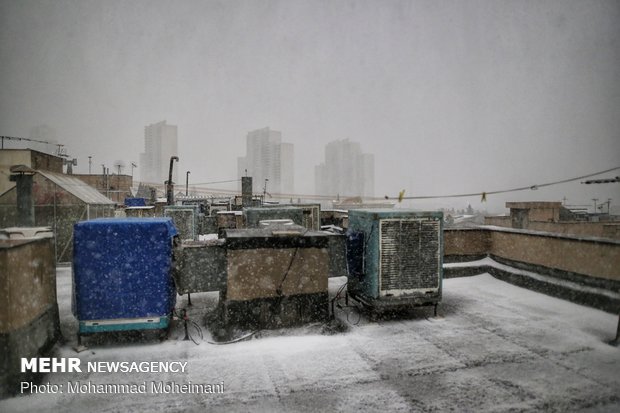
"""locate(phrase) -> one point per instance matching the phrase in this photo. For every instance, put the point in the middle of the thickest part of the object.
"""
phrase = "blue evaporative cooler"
(122, 276)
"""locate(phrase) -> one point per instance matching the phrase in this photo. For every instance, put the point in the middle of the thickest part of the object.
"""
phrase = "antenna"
(61, 151)
(119, 165)
(133, 165)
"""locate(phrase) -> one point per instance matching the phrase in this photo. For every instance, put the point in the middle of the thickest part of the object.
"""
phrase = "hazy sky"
(450, 96)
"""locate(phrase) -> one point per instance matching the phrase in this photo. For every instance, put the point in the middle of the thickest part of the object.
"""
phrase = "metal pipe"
(187, 183)
(118, 184)
(169, 184)
(265, 189)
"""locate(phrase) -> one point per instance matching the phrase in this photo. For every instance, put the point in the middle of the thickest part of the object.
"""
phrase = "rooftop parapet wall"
(592, 229)
(595, 257)
(28, 281)
(607, 229)
(466, 243)
(499, 221)
(29, 322)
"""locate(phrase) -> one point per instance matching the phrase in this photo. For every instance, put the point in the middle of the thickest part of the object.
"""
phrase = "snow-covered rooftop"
(493, 347)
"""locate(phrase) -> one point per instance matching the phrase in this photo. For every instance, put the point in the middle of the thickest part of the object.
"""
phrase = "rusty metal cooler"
(185, 220)
(311, 214)
(253, 216)
(275, 277)
(395, 257)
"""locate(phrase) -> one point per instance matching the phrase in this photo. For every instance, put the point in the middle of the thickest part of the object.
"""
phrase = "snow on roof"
(78, 188)
(494, 346)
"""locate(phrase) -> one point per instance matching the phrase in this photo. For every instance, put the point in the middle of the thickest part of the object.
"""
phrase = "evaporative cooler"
(253, 216)
(395, 257)
(185, 220)
(311, 214)
(276, 277)
(122, 274)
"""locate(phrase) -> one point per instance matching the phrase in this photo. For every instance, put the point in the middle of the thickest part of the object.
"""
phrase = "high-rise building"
(267, 157)
(160, 143)
(346, 171)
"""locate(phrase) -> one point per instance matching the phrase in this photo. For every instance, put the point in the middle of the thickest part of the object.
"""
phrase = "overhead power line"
(60, 150)
(503, 191)
(199, 188)
(15, 138)
(216, 182)
(602, 181)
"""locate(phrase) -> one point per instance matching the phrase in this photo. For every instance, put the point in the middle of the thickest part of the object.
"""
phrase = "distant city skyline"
(160, 143)
(346, 171)
(450, 97)
(268, 158)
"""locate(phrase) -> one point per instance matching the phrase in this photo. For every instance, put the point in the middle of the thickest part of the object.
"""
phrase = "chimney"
(246, 191)
(22, 176)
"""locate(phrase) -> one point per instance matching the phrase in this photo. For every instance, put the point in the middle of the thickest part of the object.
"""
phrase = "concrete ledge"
(540, 251)
(581, 279)
(32, 340)
(571, 237)
(450, 271)
(450, 259)
(590, 291)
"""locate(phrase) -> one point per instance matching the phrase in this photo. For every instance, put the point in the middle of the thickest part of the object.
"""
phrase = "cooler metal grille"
(409, 254)
(184, 222)
(316, 218)
(311, 218)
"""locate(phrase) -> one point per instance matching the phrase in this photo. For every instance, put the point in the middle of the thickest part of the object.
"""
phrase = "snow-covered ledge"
(588, 256)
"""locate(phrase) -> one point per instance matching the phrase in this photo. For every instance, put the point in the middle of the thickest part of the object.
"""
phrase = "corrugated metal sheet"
(79, 188)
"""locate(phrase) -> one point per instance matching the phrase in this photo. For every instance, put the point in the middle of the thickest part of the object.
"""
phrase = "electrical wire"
(340, 290)
(15, 138)
(197, 327)
(336, 300)
(217, 182)
(503, 191)
(236, 340)
(189, 323)
(330, 197)
(290, 264)
(333, 197)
